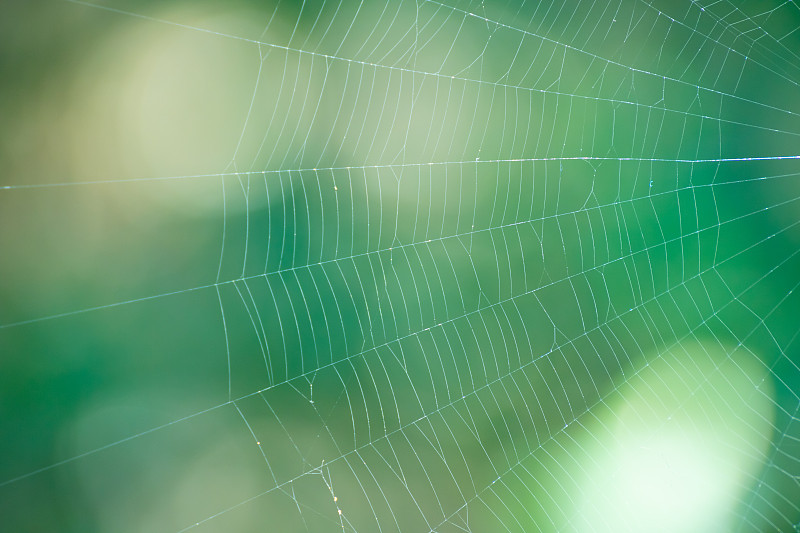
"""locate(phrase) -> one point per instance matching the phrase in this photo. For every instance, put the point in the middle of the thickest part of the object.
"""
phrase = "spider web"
(455, 256)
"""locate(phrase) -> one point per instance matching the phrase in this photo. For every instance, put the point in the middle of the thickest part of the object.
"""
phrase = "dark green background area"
(256, 255)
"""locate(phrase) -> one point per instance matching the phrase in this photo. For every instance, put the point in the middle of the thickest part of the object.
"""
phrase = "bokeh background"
(399, 266)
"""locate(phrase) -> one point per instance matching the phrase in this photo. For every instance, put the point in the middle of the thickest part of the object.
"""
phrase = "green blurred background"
(399, 266)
